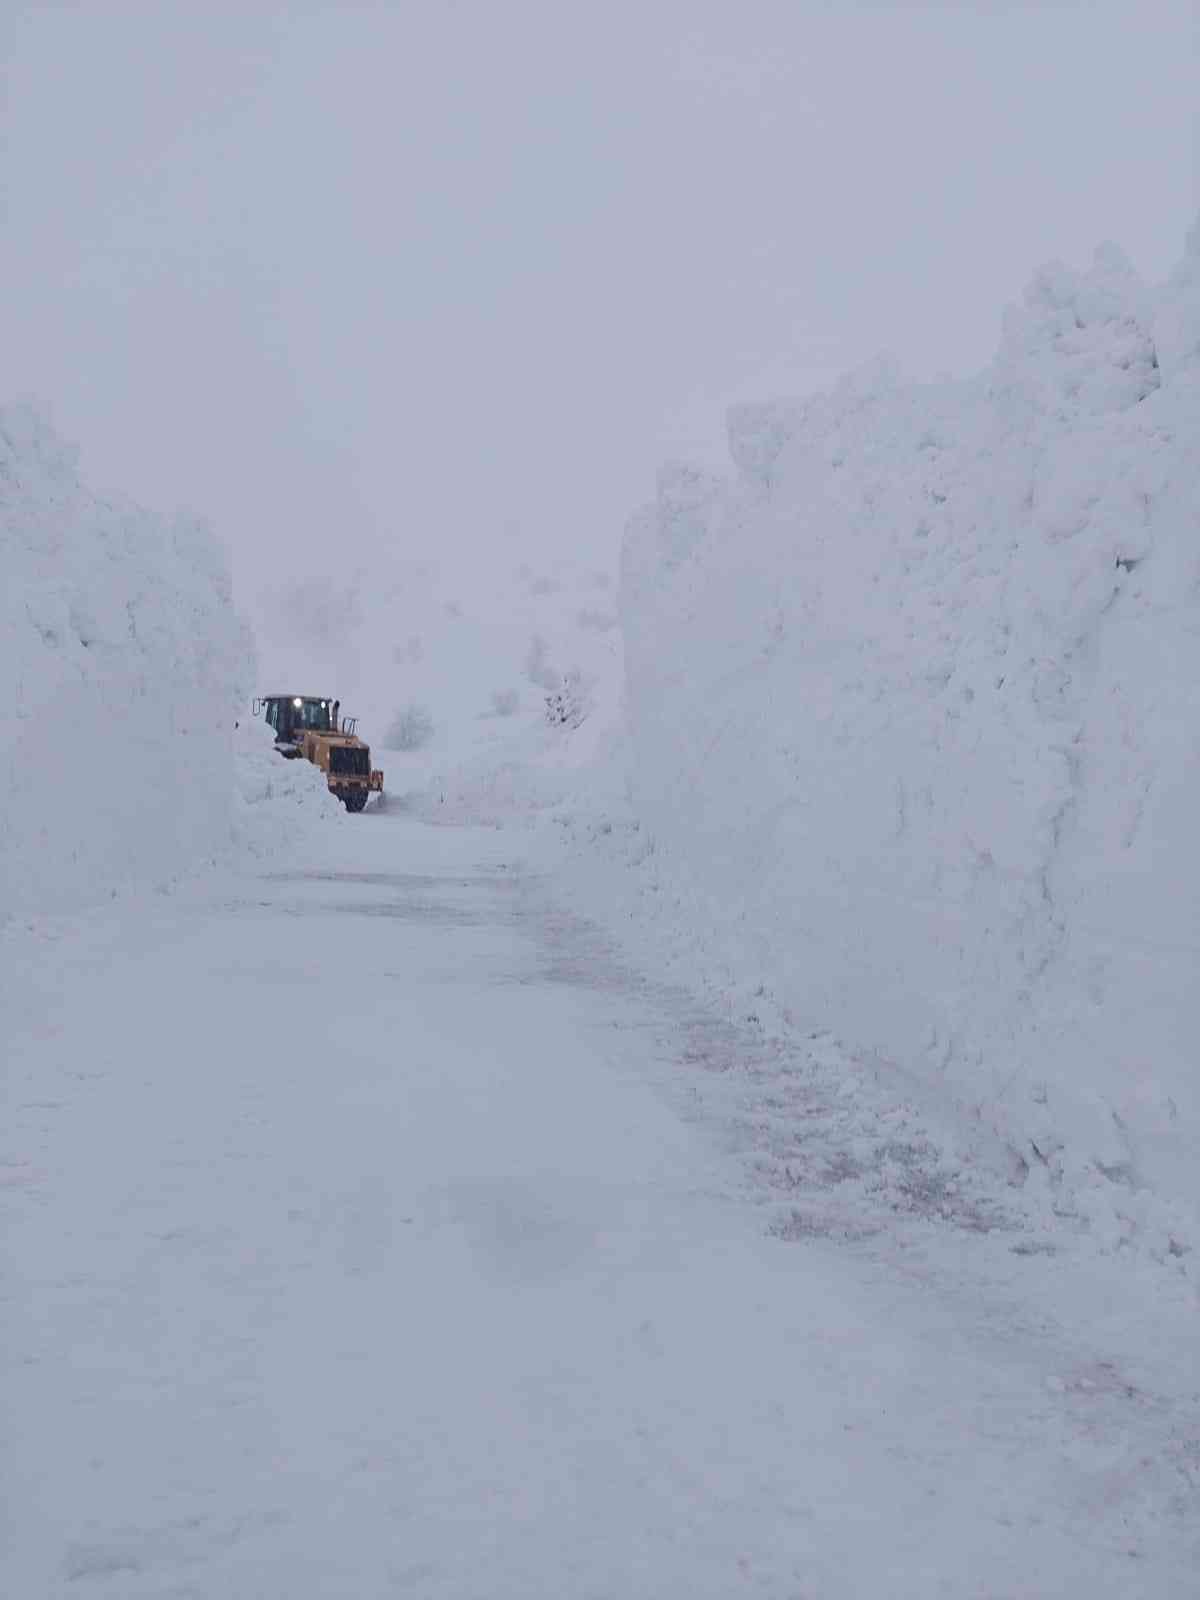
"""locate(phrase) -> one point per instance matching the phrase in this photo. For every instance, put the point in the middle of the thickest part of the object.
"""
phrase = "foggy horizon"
(393, 282)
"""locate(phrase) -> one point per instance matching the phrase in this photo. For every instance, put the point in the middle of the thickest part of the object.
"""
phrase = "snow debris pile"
(914, 709)
(125, 668)
(274, 801)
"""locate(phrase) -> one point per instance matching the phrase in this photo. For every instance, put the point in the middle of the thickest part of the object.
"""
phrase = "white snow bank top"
(124, 666)
(915, 710)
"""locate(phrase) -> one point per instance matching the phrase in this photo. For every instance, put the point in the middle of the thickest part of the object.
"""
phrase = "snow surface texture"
(127, 668)
(362, 1240)
(914, 709)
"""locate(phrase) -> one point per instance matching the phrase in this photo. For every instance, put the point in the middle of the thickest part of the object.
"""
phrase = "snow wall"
(124, 668)
(914, 704)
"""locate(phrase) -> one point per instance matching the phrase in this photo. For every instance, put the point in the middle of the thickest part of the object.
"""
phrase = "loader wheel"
(354, 799)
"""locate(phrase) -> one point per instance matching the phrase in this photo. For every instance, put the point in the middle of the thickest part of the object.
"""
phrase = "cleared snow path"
(358, 1244)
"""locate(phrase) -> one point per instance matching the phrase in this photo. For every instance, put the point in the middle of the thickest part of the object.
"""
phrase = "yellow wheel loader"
(307, 726)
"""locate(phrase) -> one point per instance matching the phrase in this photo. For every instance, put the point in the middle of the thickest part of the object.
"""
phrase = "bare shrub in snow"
(410, 729)
(505, 702)
(568, 705)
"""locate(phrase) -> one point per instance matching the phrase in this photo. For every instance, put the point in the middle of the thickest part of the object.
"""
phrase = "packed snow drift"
(126, 669)
(275, 802)
(914, 709)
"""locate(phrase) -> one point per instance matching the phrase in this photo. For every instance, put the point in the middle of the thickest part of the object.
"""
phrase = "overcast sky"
(450, 274)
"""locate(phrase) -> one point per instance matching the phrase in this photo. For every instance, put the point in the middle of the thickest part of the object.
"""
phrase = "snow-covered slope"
(125, 668)
(914, 703)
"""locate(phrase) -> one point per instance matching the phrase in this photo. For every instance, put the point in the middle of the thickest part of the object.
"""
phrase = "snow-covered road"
(358, 1244)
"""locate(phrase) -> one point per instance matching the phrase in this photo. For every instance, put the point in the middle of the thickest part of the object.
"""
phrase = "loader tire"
(354, 799)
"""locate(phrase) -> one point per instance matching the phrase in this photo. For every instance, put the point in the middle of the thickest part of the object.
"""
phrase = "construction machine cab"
(291, 716)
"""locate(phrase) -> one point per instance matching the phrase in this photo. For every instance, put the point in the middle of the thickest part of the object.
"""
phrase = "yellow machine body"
(308, 727)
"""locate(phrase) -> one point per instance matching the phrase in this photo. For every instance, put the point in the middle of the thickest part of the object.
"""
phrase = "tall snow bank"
(914, 703)
(124, 667)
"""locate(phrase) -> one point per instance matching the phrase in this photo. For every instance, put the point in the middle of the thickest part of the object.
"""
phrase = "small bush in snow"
(568, 705)
(410, 729)
(505, 702)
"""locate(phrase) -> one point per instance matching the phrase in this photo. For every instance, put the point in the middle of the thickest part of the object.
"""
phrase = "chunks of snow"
(914, 707)
(275, 800)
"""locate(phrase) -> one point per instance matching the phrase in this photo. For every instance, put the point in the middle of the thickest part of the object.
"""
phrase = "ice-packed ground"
(372, 1227)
